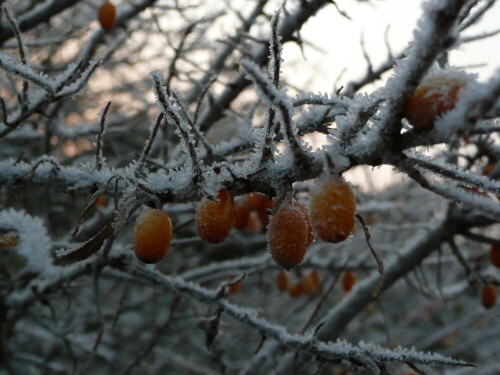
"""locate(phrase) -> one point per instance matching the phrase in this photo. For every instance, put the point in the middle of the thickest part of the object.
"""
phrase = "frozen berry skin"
(107, 15)
(332, 210)
(256, 201)
(436, 94)
(488, 296)
(282, 281)
(242, 215)
(215, 219)
(495, 256)
(152, 235)
(348, 281)
(305, 212)
(287, 236)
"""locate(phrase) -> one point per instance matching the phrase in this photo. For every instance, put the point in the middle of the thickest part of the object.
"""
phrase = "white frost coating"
(16, 68)
(265, 88)
(34, 241)
(78, 84)
(483, 182)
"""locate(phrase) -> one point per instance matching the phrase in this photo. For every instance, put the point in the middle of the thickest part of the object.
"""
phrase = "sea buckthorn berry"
(309, 282)
(241, 217)
(348, 281)
(234, 288)
(100, 201)
(332, 210)
(152, 235)
(256, 201)
(495, 256)
(287, 236)
(437, 94)
(282, 280)
(215, 219)
(305, 212)
(295, 290)
(263, 216)
(488, 296)
(107, 15)
(8, 240)
(253, 225)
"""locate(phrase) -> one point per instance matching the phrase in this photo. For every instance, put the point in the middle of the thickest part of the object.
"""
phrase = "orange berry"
(152, 235)
(332, 210)
(101, 201)
(8, 240)
(282, 280)
(241, 217)
(295, 290)
(253, 225)
(436, 95)
(287, 236)
(215, 219)
(107, 15)
(234, 288)
(310, 282)
(495, 256)
(256, 201)
(263, 216)
(348, 281)
(488, 296)
(310, 232)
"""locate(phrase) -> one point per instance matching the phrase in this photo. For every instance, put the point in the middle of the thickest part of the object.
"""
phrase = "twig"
(378, 259)
(98, 151)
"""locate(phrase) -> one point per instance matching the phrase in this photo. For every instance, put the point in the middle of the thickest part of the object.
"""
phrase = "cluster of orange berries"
(290, 230)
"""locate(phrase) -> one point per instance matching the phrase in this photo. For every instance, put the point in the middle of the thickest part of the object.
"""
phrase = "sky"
(339, 41)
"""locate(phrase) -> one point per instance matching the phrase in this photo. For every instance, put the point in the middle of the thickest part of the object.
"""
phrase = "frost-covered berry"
(107, 15)
(437, 94)
(282, 280)
(241, 216)
(215, 219)
(309, 282)
(332, 209)
(287, 236)
(8, 240)
(495, 256)
(305, 212)
(348, 281)
(152, 235)
(488, 296)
